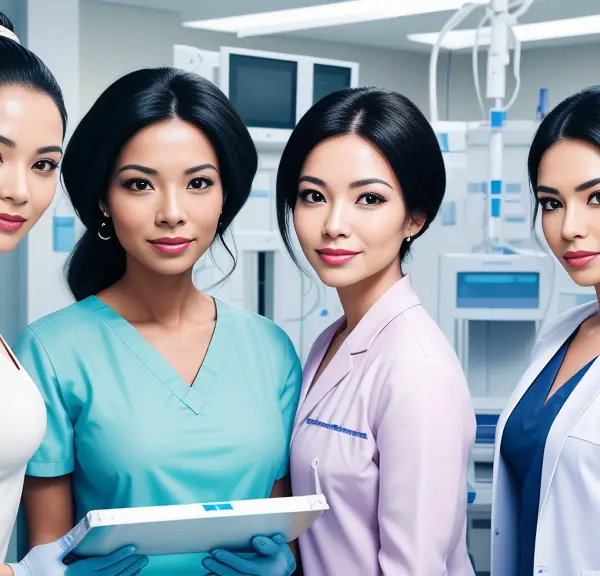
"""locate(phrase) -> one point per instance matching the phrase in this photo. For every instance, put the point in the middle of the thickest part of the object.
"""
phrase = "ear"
(104, 209)
(415, 223)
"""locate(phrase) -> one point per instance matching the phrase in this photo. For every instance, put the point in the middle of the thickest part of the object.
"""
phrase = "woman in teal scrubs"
(156, 393)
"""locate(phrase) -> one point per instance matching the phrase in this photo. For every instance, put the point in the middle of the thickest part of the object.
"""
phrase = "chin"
(8, 243)
(170, 266)
(585, 278)
(337, 278)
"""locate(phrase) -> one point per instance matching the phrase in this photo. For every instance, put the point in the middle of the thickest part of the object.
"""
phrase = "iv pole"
(502, 22)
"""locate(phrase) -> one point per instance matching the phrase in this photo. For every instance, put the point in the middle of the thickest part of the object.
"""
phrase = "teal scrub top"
(133, 433)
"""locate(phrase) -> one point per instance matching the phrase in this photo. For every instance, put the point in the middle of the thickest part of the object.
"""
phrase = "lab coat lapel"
(582, 396)
(339, 366)
(399, 298)
(315, 357)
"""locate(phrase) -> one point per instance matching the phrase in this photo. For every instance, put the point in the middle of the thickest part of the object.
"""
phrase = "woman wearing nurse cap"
(32, 127)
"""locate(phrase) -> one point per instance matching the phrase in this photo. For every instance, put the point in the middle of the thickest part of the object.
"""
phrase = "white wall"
(563, 70)
(46, 23)
(119, 39)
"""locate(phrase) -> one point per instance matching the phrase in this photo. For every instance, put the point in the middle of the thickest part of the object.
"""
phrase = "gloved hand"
(274, 558)
(47, 560)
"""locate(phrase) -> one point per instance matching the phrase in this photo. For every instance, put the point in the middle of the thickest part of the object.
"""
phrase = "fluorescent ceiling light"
(459, 39)
(324, 15)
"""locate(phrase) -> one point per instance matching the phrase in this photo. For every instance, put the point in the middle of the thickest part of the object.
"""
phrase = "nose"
(13, 185)
(574, 225)
(171, 212)
(336, 223)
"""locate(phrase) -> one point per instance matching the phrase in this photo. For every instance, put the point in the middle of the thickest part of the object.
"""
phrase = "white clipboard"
(195, 528)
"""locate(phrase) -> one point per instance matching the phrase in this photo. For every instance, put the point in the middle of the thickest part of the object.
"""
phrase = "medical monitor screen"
(498, 290)
(328, 79)
(263, 91)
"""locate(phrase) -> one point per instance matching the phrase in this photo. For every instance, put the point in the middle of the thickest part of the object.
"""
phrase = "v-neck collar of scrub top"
(195, 397)
(395, 301)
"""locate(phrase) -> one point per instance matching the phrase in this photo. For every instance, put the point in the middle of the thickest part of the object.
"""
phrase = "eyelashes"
(316, 197)
(45, 165)
(550, 204)
(202, 180)
(143, 185)
(50, 165)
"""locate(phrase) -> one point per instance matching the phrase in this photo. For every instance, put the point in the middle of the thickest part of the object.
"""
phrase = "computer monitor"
(272, 91)
(264, 90)
(329, 78)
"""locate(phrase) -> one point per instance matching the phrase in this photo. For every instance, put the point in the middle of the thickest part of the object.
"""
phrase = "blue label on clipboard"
(215, 507)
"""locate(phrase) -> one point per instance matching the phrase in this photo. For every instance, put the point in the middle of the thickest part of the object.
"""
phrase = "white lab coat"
(568, 529)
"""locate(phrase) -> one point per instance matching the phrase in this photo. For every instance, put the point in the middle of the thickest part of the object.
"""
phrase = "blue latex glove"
(274, 558)
(47, 560)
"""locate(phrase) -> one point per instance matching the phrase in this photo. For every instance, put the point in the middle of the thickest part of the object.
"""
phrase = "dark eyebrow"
(149, 171)
(357, 184)
(46, 149)
(368, 182)
(585, 186)
(313, 180)
(43, 150)
(199, 168)
(546, 189)
(7, 141)
(152, 172)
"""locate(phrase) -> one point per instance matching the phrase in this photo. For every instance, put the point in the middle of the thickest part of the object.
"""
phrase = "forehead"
(29, 118)
(171, 143)
(568, 164)
(345, 159)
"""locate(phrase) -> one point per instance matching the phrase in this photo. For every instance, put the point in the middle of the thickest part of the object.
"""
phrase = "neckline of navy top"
(523, 444)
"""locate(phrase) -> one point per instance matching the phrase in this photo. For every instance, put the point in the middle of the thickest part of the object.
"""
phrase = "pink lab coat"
(394, 471)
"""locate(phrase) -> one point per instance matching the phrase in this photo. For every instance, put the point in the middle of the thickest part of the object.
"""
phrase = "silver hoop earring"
(103, 227)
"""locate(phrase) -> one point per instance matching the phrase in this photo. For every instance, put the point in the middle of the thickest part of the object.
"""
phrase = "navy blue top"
(523, 443)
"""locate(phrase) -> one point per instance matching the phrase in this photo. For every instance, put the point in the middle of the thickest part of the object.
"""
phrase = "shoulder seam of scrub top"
(35, 335)
(88, 304)
(265, 324)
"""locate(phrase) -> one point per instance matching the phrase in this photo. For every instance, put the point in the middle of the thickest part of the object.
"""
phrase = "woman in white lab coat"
(546, 502)
(32, 127)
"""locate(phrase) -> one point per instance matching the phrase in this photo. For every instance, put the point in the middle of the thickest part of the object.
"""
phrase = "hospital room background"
(482, 271)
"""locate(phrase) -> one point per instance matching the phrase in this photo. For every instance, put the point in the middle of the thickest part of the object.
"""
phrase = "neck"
(358, 298)
(144, 296)
(593, 323)
(597, 289)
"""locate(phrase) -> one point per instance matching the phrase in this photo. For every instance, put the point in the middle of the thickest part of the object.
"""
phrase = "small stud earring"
(408, 238)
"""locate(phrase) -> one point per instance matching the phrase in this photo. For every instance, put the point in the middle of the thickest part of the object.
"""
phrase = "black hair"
(389, 121)
(575, 118)
(135, 101)
(21, 67)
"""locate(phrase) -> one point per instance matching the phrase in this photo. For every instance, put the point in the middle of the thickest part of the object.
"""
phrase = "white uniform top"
(22, 429)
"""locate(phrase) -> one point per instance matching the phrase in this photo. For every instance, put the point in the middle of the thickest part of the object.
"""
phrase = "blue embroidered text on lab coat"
(336, 428)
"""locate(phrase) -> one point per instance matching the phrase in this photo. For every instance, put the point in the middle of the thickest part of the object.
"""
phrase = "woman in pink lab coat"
(385, 415)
